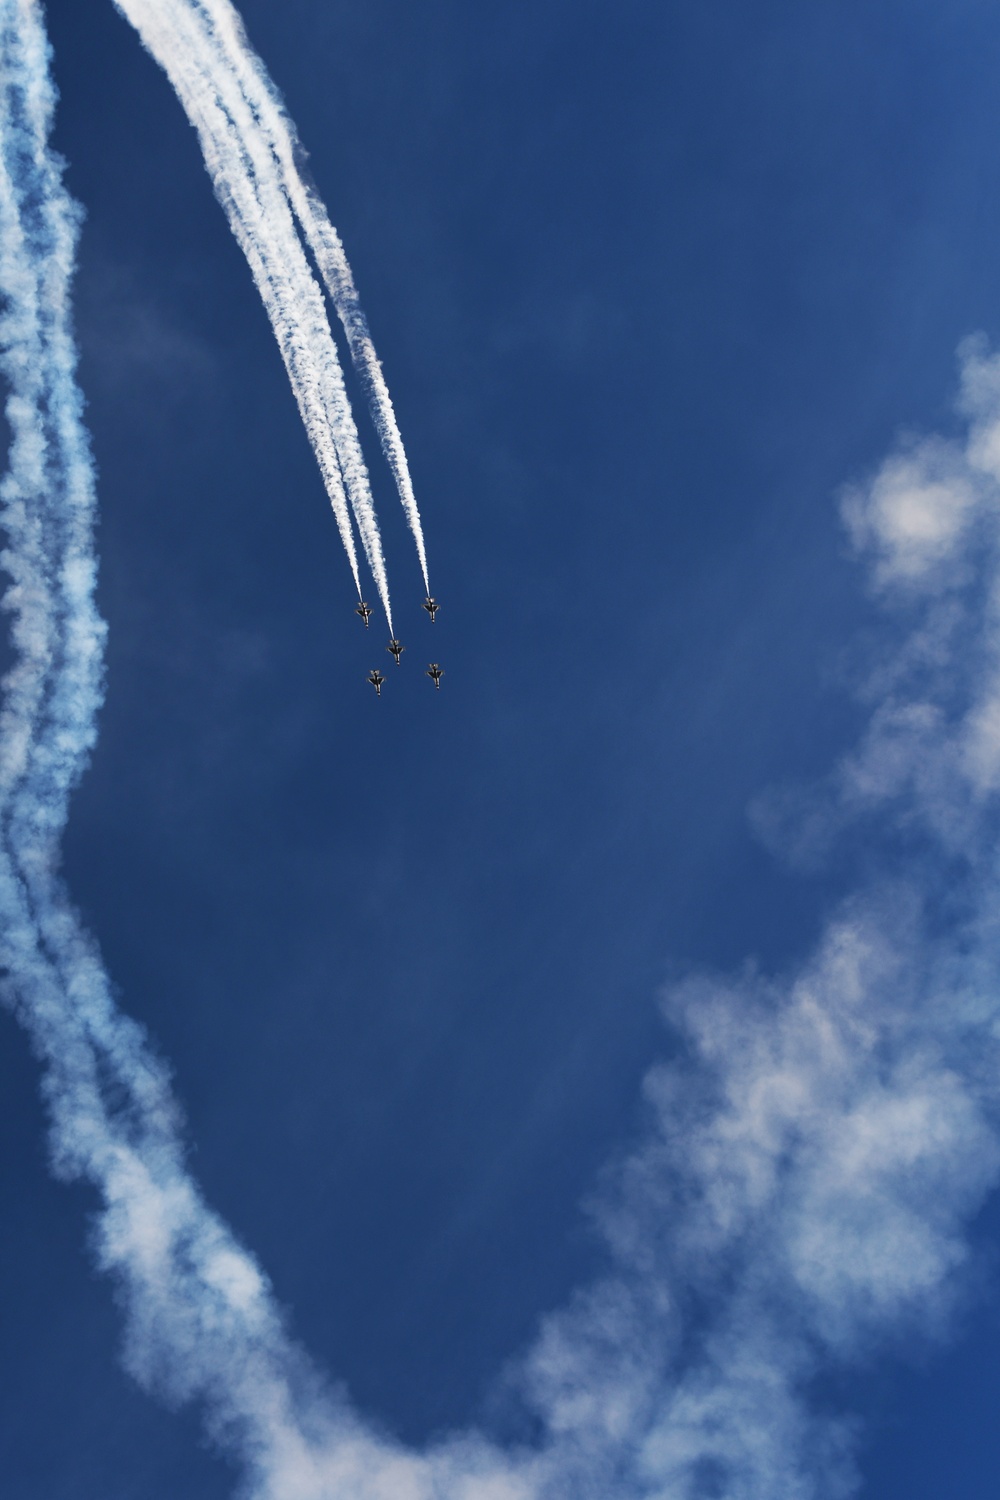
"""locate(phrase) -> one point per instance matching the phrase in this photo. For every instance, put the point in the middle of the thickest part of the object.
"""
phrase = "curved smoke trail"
(812, 1158)
(254, 157)
(224, 30)
(248, 185)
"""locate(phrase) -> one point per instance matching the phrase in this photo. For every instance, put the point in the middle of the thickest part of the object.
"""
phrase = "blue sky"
(650, 285)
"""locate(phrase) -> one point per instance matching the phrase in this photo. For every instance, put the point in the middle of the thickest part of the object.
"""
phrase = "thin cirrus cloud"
(813, 1153)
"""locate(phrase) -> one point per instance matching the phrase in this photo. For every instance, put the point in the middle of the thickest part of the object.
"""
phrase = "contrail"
(813, 1156)
(224, 28)
(247, 183)
(185, 1280)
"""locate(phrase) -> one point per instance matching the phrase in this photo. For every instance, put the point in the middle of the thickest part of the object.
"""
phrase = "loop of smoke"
(813, 1156)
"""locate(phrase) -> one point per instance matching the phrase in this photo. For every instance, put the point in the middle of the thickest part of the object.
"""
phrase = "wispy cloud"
(819, 1146)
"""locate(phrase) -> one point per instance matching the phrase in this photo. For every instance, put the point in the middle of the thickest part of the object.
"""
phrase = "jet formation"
(396, 648)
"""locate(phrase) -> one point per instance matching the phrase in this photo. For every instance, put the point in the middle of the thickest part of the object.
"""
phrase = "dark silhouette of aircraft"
(396, 648)
(376, 679)
(435, 673)
(431, 606)
(365, 611)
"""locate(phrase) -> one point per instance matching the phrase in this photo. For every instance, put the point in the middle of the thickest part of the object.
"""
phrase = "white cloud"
(913, 515)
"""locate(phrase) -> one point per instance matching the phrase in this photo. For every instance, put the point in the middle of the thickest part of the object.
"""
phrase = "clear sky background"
(650, 282)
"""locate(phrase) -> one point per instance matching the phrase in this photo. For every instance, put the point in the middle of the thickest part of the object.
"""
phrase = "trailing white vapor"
(813, 1153)
(248, 183)
(223, 32)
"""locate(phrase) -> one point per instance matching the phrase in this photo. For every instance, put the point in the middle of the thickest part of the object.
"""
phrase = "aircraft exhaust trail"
(200, 1319)
(247, 183)
(224, 27)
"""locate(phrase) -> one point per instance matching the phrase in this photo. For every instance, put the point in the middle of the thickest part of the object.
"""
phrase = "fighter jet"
(365, 611)
(435, 673)
(376, 679)
(396, 649)
(431, 606)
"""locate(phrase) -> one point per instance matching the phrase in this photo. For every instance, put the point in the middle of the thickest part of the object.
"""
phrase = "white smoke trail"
(224, 30)
(247, 183)
(813, 1157)
(192, 1295)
